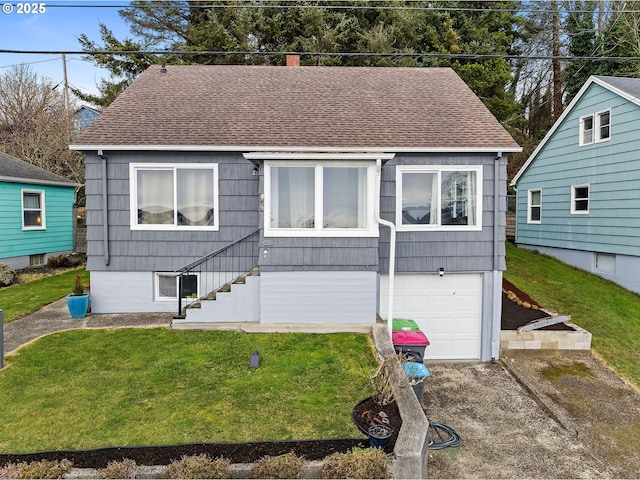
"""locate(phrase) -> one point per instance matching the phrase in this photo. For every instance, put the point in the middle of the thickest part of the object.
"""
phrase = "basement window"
(36, 260)
(167, 284)
(605, 263)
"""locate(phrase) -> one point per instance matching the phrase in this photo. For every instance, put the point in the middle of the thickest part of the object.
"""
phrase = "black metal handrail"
(217, 269)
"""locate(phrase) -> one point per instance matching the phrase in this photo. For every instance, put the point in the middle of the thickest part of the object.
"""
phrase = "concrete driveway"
(534, 415)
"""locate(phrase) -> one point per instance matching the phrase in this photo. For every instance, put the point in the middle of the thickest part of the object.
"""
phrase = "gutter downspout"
(496, 209)
(392, 245)
(105, 210)
(497, 289)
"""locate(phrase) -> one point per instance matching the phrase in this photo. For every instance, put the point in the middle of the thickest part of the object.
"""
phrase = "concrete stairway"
(236, 301)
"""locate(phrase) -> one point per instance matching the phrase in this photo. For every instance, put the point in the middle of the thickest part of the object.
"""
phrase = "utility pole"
(556, 67)
(66, 83)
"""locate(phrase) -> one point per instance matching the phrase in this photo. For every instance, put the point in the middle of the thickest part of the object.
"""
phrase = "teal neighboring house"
(36, 213)
(578, 194)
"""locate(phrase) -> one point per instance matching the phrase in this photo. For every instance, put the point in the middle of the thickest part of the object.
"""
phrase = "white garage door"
(447, 309)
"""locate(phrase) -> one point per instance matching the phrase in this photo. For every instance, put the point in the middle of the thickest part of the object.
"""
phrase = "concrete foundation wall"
(626, 266)
(318, 297)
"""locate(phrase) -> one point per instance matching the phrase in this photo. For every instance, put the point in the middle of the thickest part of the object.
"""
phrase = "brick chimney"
(293, 60)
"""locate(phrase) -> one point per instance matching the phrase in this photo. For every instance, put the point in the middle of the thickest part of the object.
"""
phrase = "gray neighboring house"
(317, 177)
(83, 117)
(36, 213)
(577, 194)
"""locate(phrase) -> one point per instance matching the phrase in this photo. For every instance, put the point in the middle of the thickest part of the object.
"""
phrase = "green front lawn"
(97, 388)
(19, 300)
(609, 312)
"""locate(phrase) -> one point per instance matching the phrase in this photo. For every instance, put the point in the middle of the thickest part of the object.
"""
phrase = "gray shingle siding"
(135, 250)
(320, 254)
(465, 251)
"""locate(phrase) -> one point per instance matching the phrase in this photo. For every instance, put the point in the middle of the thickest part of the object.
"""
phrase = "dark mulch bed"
(163, 455)
(236, 452)
(515, 316)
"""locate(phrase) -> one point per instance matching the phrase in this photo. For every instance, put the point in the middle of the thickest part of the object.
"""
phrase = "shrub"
(65, 261)
(41, 469)
(123, 469)
(198, 466)
(10, 471)
(7, 275)
(282, 466)
(358, 463)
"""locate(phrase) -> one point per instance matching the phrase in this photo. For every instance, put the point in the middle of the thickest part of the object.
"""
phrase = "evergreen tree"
(315, 26)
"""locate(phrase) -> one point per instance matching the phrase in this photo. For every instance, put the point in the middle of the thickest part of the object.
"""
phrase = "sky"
(58, 28)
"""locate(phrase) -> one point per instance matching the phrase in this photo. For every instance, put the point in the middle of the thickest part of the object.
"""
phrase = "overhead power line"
(30, 63)
(213, 53)
(331, 5)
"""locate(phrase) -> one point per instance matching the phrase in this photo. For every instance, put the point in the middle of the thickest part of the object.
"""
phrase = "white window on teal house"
(167, 285)
(174, 197)
(595, 127)
(438, 198)
(604, 126)
(33, 210)
(586, 130)
(332, 199)
(534, 206)
(580, 199)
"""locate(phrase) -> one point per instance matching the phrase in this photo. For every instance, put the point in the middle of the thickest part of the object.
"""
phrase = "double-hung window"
(438, 197)
(604, 126)
(580, 199)
(33, 211)
(328, 198)
(595, 127)
(174, 197)
(586, 130)
(534, 206)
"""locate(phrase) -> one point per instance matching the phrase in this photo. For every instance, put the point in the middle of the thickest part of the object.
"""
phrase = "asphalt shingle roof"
(631, 86)
(288, 107)
(13, 169)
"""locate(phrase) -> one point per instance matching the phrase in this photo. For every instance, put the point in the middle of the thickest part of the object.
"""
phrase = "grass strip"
(610, 312)
(16, 301)
(126, 387)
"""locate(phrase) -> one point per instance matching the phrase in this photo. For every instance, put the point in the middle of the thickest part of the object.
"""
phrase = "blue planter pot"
(379, 436)
(78, 305)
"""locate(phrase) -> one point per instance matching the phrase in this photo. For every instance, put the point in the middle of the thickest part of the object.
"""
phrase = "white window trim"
(529, 205)
(593, 129)
(156, 290)
(573, 199)
(133, 195)
(371, 229)
(400, 169)
(43, 216)
(596, 125)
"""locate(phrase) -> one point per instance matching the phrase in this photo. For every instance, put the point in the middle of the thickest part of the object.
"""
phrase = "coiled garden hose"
(445, 436)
